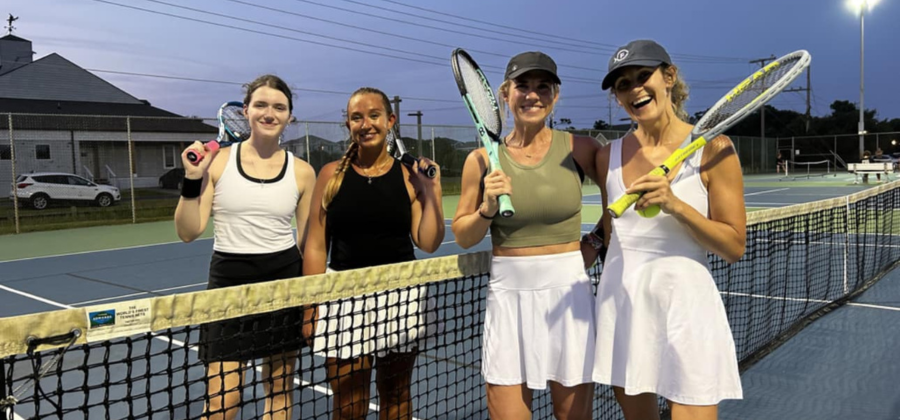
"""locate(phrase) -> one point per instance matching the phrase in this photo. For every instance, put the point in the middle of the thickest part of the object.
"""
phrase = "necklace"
(366, 169)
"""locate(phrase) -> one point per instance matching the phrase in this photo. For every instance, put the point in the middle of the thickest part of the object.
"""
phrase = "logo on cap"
(514, 68)
(621, 55)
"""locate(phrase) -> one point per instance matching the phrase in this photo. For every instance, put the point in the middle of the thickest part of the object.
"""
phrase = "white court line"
(446, 222)
(861, 305)
(138, 294)
(869, 305)
(765, 192)
(174, 288)
(318, 388)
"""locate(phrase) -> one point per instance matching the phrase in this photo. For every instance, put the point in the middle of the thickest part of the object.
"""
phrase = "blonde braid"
(334, 184)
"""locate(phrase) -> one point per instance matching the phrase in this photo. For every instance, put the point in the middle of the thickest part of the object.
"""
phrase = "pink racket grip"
(195, 157)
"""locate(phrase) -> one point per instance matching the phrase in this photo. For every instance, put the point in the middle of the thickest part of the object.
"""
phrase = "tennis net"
(141, 359)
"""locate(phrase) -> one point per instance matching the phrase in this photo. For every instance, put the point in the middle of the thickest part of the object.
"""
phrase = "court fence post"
(433, 145)
(131, 169)
(12, 160)
(308, 156)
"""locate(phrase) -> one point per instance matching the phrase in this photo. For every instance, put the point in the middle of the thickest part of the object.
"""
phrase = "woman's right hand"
(197, 170)
(495, 185)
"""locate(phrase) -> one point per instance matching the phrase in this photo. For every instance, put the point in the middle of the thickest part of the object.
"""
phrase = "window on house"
(169, 157)
(42, 151)
(5, 153)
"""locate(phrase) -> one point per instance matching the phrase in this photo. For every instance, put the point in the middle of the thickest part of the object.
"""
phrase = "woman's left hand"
(656, 191)
(428, 184)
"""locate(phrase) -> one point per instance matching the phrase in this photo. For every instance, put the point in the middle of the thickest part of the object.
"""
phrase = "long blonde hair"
(334, 184)
(679, 92)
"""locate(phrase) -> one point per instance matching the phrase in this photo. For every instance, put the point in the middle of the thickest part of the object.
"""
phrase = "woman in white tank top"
(662, 329)
(253, 190)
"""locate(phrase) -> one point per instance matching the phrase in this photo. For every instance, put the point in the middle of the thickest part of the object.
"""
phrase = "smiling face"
(268, 112)
(644, 92)
(531, 97)
(369, 119)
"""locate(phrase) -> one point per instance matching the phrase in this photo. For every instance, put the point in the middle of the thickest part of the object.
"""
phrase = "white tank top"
(663, 234)
(253, 216)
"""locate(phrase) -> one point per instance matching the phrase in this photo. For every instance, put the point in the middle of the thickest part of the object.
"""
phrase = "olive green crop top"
(546, 196)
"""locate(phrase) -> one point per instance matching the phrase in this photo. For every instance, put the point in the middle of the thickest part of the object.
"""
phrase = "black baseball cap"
(642, 52)
(528, 61)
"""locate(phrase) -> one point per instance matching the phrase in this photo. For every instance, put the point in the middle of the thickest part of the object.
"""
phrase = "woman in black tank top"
(370, 210)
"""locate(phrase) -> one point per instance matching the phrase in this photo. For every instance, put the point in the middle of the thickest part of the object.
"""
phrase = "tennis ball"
(649, 212)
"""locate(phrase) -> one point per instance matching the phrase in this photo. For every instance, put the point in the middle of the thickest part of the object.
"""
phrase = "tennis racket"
(745, 98)
(397, 149)
(482, 106)
(233, 128)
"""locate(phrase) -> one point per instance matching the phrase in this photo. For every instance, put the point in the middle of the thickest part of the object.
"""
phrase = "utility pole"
(807, 89)
(396, 101)
(609, 98)
(762, 111)
(418, 115)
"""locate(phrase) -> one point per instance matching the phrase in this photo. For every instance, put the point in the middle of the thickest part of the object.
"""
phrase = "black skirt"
(255, 336)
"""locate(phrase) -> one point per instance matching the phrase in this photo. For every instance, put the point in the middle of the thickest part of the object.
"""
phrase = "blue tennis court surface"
(846, 356)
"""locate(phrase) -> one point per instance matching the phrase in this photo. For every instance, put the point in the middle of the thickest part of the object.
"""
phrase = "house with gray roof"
(66, 119)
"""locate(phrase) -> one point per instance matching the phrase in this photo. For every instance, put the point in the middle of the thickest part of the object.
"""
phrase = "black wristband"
(484, 216)
(190, 188)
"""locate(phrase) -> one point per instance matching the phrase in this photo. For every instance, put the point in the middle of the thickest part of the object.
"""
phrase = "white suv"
(41, 188)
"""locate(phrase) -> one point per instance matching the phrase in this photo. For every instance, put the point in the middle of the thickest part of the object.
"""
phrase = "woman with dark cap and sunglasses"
(662, 328)
(539, 323)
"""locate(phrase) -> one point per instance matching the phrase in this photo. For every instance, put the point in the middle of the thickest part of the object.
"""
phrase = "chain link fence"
(67, 171)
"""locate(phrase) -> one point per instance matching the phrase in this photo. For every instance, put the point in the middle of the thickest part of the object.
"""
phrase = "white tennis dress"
(661, 323)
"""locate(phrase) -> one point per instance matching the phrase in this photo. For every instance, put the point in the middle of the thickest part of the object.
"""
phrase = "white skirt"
(539, 324)
(662, 328)
(397, 321)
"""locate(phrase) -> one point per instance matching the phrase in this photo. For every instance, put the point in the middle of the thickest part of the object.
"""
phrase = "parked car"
(40, 189)
(172, 179)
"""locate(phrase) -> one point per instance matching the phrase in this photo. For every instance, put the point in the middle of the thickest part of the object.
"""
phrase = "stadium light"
(861, 6)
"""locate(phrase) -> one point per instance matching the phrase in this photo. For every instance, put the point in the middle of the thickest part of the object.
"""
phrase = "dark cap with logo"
(642, 52)
(528, 61)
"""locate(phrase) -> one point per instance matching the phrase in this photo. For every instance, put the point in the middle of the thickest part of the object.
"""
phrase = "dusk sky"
(325, 49)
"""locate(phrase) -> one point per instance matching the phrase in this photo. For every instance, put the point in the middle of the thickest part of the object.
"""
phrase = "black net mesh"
(420, 332)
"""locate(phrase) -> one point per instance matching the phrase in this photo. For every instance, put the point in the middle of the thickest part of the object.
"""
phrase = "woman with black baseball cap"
(539, 325)
(661, 324)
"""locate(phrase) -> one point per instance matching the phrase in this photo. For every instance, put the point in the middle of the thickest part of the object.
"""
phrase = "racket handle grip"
(618, 207)
(429, 171)
(506, 207)
(195, 156)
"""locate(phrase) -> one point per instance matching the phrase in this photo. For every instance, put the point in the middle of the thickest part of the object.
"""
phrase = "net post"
(846, 242)
(12, 160)
(131, 169)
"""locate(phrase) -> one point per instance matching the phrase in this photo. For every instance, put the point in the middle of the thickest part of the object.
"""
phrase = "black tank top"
(369, 224)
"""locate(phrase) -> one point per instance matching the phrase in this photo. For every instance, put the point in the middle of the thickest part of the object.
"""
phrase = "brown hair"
(270, 81)
(334, 184)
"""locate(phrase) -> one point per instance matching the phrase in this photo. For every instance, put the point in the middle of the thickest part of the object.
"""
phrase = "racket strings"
(233, 118)
(750, 92)
(482, 98)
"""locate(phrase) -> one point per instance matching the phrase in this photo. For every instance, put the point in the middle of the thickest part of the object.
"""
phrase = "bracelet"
(484, 216)
(190, 188)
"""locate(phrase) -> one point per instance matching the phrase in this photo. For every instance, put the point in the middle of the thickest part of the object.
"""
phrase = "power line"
(498, 25)
(599, 44)
(500, 69)
(409, 38)
(262, 32)
(607, 49)
(530, 44)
